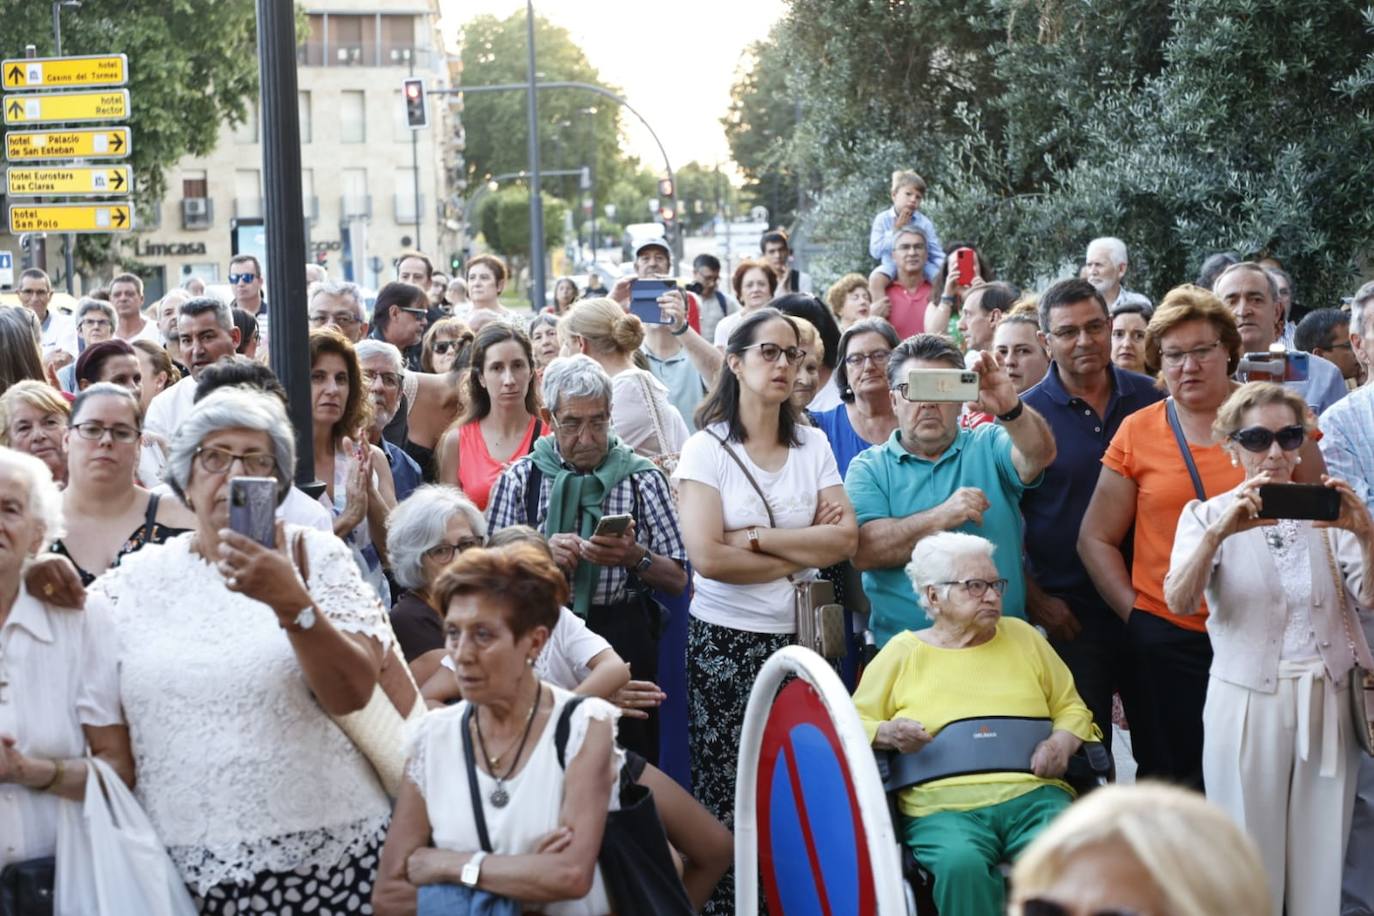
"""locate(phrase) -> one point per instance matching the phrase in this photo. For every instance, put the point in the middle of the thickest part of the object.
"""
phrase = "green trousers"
(962, 849)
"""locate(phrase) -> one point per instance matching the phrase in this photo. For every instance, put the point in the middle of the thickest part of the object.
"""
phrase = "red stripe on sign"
(805, 822)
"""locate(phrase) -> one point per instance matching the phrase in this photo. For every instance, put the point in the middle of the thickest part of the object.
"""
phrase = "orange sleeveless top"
(477, 469)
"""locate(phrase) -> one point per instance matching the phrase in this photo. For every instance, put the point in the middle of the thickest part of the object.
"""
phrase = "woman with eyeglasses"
(228, 662)
(1147, 479)
(865, 417)
(500, 418)
(745, 552)
(33, 420)
(970, 663)
(359, 489)
(1278, 751)
(442, 343)
(107, 515)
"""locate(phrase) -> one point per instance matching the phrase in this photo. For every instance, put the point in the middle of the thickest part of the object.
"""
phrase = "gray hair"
(339, 289)
(45, 500)
(931, 348)
(1116, 249)
(232, 408)
(224, 314)
(909, 229)
(577, 376)
(936, 558)
(87, 305)
(1358, 306)
(370, 347)
(418, 523)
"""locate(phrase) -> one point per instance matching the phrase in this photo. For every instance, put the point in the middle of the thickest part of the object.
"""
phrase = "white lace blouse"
(239, 768)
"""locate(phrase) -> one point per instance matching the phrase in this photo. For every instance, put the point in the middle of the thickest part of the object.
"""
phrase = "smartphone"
(253, 508)
(963, 266)
(1299, 500)
(612, 526)
(644, 300)
(1274, 366)
(941, 385)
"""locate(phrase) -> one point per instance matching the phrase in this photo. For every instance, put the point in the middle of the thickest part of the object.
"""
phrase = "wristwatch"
(304, 620)
(753, 534)
(472, 869)
(645, 561)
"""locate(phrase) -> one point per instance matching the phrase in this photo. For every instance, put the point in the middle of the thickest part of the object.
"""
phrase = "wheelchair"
(993, 744)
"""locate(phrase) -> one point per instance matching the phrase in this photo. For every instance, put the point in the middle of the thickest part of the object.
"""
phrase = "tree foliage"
(1184, 127)
(758, 125)
(192, 67)
(505, 221)
(571, 135)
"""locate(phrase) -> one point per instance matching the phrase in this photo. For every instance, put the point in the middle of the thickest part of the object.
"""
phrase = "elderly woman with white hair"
(971, 663)
(44, 654)
(1149, 848)
(423, 535)
(228, 662)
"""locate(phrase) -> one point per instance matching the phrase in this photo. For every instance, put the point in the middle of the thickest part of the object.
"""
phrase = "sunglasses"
(1259, 439)
(235, 279)
(1038, 906)
(443, 346)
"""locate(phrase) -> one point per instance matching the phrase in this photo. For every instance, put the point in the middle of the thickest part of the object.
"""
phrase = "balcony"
(355, 206)
(407, 213)
(197, 213)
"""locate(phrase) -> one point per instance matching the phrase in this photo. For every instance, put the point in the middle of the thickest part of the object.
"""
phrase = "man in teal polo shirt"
(934, 476)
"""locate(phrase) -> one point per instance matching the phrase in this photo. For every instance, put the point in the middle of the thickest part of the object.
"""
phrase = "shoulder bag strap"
(477, 813)
(560, 733)
(747, 476)
(150, 517)
(533, 481)
(1342, 601)
(647, 391)
(1182, 440)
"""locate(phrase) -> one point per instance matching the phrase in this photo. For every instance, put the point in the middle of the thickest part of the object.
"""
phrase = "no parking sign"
(811, 820)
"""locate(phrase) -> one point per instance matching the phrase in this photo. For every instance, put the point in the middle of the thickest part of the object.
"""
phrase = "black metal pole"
(415, 165)
(289, 340)
(536, 185)
(68, 240)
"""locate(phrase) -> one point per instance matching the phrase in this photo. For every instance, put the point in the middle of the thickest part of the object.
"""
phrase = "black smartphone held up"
(644, 300)
(1299, 500)
(253, 508)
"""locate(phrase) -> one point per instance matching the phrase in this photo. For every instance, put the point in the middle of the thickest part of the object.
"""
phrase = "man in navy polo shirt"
(1084, 398)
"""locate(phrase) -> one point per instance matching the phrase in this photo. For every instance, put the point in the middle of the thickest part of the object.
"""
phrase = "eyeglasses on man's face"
(388, 379)
(236, 279)
(342, 319)
(576, 426)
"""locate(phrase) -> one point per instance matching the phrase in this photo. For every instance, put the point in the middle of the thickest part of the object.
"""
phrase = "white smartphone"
(612, 526)
(941, 385)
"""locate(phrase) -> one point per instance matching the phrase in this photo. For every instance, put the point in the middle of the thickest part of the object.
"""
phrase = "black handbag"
(636, 864)
(26, 888)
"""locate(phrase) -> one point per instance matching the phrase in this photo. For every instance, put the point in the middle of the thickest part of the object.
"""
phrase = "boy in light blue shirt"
(908, 190)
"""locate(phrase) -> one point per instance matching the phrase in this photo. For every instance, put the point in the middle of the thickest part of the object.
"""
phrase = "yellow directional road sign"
(78, 181)
(65, 72)
(94, 217)
(77, 143)
(110, 105)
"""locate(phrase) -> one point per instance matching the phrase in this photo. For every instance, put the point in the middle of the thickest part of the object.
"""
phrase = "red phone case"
(963, 266)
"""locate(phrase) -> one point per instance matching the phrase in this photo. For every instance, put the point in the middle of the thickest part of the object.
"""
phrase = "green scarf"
(575, 494)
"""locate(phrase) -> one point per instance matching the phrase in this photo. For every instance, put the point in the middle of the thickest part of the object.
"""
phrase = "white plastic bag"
(109, 858)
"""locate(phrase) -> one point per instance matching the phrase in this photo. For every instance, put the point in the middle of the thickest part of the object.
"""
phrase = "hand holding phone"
(253, 508)
(612, 526)
(644, 296)
(964, 266)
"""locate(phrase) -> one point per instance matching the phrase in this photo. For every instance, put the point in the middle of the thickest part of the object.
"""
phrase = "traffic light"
(665, 188)
(667, 213)
(413, 93)
(455, 264)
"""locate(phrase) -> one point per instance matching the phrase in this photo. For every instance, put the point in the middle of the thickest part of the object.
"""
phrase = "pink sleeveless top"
(477, 469)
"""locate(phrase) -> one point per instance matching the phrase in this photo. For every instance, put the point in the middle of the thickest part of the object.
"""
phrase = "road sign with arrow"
(65, 72)
(76, 181)
(77, 143)
(107, 216)
(63, 107)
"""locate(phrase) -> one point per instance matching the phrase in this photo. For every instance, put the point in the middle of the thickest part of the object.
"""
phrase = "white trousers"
(1284, 766)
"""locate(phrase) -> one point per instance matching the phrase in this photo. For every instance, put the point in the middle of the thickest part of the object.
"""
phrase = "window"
(247, 132)
(311, 51)
(353, 117)
(355, 199)
(248, 194)
(194, 184)
(398, 40)
(306, 116)
(406, 210)
(353, 41)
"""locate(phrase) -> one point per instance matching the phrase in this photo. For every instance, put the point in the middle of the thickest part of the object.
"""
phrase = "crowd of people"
(514, 511)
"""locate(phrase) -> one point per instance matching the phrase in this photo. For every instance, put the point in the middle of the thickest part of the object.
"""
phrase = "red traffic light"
(413, 94)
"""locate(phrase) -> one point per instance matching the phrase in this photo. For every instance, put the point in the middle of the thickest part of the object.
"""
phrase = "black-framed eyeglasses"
(977, 588)
(94, 432)
(342, 319)
(1259, 439)
(420, 312)
(1039, 906)
(1175, 358)
(236, 279)
(877, 357)
(389, 379)
(218, 460)
(442, 553)
(575, 426)
(771, 351)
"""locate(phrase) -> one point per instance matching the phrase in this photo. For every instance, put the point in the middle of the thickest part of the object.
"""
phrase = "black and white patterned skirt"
(342, 889)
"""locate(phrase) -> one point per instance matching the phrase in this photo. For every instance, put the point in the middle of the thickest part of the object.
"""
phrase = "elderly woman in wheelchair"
(977, 718)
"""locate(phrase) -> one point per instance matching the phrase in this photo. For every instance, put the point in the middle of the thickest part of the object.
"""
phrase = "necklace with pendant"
(499, 796)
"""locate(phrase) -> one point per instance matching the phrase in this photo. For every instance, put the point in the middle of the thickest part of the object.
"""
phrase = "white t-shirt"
(60, 333)
(726, 327)
(170, 407)
(793, 492)
(564, 660)
(827, 397)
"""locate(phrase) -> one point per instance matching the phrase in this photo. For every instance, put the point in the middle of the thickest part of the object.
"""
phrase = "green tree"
(576, 128)
(505, 221)
(192, 66)
(704, 192)
(758, 127)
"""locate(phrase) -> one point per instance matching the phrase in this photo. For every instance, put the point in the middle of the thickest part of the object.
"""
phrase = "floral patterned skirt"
(323, 890)
(722, 664)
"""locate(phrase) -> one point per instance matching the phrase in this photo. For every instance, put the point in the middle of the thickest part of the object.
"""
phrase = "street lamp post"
(536, 186)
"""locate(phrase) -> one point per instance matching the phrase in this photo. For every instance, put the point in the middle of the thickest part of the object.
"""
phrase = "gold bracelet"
(57, 771)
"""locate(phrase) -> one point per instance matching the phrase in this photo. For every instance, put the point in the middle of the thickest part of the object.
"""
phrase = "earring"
(530, 661)
(1235, 462)
(1297, 460)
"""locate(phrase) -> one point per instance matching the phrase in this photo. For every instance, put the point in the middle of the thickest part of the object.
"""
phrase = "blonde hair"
(1257, 394)
(604, 325)
(905, 177)
(38, 395)
(1191, 303)
(809, 339)
(1199, 859)
(840, 290)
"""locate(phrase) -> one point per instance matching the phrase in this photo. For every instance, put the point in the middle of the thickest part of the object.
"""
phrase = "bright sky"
(674, 63)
